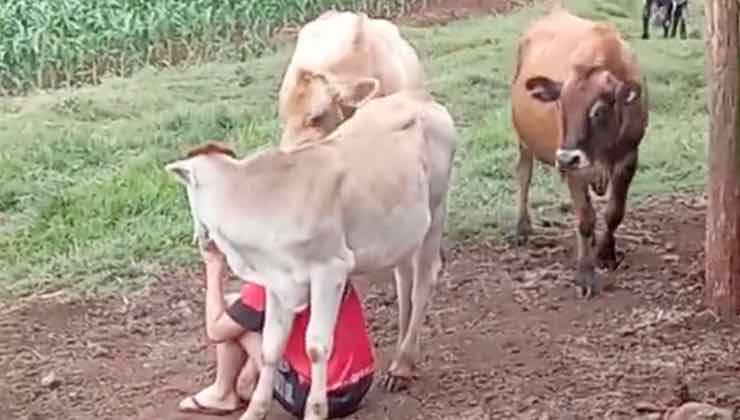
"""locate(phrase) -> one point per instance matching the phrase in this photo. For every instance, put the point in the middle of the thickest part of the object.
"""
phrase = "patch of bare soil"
(439, 12)
(505, 338)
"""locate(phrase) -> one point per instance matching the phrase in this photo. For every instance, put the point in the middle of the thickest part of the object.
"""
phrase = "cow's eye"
(598, 111)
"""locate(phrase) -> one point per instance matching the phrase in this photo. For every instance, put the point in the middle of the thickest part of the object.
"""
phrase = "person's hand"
(215, 262)
(211, 255)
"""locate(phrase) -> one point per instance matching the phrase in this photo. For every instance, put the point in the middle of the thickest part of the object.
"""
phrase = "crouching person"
(237, 331)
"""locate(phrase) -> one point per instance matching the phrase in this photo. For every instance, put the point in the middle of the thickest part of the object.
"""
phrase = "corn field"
(65, 43)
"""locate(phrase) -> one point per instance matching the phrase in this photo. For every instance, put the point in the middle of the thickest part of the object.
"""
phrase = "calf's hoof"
(398, 377)
(316, 410)
(645, 36)
(587, 284)
(257, 410)
(393, 383)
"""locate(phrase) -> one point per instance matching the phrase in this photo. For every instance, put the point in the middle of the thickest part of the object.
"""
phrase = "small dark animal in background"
(666, 13)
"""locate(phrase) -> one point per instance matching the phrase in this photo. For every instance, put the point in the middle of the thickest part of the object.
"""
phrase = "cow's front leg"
(667, 20)
(646, 19)
(278, 323)
(327, 285)
(586, 279)
(624, 171)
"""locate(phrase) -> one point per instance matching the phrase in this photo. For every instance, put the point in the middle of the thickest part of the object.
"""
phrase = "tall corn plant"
(58, 43)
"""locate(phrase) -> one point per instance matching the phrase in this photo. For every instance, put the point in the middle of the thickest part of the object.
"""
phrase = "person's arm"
(219, 326)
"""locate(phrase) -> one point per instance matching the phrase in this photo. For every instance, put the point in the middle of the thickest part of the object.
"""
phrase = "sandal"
(210, 411)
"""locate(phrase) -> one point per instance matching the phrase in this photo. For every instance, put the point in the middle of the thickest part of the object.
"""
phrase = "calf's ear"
(543, 88)
(357, 92)
(183, 172)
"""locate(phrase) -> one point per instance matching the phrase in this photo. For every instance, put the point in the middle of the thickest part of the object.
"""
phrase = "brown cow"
(578, 102)
(341, 60)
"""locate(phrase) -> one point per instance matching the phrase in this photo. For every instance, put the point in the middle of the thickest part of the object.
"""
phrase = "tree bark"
(722, 291)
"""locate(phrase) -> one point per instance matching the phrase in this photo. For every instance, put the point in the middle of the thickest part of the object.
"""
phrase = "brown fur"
(578, 89)
(210, 148)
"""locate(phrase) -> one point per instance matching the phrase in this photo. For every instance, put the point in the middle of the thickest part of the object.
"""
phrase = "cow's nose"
(569, 159)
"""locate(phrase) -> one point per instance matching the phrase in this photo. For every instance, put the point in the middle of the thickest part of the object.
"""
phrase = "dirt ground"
(505, 338)
(439, 12)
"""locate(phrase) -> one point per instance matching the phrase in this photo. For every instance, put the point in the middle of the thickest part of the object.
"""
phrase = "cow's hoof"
(610, 261)
(587, 285)
(645, 36)
(523, 232)
(607, 257)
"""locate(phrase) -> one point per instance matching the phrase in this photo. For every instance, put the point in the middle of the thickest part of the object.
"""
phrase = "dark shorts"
(289, 391)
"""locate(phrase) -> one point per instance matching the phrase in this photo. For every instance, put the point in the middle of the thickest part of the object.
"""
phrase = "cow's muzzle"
(570, 159)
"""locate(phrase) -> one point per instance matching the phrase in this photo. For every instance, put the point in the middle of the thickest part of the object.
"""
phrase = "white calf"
(371, 196)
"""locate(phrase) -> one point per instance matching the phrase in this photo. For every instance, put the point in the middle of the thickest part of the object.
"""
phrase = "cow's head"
(193, 172)
(595, 109)
(318, 103)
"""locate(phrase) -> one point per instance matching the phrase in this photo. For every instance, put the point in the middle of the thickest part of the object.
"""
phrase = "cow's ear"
(356, 93)
(183, 172)
(543, 88)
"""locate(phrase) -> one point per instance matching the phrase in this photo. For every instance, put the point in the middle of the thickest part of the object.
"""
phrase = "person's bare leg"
(230, 358)
(250, 342)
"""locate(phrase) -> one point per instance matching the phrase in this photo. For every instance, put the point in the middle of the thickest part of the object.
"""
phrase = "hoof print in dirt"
(50, 381)
(700, 411)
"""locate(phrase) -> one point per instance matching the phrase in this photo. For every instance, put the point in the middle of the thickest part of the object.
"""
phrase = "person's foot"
(208, 401)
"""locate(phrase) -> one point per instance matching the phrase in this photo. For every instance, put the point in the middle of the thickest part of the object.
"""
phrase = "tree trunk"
(722, 291)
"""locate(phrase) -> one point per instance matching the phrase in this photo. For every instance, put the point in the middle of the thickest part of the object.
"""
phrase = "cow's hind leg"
(681, 15)
(524, 168)
(586, 279)
(427, 264)
(621, 180)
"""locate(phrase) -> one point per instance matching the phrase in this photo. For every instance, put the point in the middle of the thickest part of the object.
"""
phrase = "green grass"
(53, 43)
(85, 202)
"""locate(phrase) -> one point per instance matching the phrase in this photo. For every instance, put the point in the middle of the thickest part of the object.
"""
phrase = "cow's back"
(398, 62)
(398, 150)
(547, 48)
(350, 46)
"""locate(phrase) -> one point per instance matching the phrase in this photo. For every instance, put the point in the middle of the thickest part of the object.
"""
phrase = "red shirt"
(352, 357)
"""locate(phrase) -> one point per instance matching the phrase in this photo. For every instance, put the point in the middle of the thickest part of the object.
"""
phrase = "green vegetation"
(53, 43)
(85, 202)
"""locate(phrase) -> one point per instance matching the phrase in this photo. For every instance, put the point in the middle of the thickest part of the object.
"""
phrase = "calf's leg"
(624, 171)
(427, 264)
(278, 323)
(327, 285)
(524, 168)
(404, 276)
(586, 279)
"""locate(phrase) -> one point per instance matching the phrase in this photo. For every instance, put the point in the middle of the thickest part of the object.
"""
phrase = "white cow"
(371, 196)
(341, 60)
